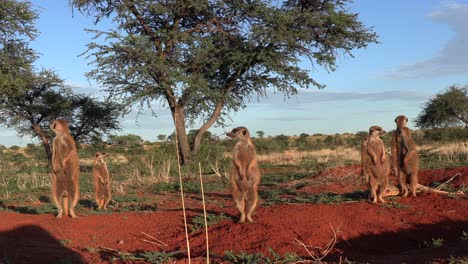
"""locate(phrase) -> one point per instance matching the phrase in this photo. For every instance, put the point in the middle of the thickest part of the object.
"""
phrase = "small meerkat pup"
(245, 174)
(365, 159)
(102, 181)
(378, 165)
(408, 162)
(66, 169)
(400, 121)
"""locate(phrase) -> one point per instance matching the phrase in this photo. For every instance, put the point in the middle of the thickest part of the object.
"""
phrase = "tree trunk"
(199, 136)
(45, 143)
(178, 116)
(214, 116)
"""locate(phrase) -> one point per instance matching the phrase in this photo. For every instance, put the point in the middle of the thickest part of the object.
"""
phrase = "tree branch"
(145, 26)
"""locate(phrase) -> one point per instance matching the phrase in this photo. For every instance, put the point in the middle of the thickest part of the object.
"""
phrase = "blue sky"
(423, 50)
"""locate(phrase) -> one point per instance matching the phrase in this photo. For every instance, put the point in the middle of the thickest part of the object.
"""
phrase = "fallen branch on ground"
(317, 253)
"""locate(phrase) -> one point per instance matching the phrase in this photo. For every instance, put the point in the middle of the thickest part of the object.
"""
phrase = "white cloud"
(453, 57)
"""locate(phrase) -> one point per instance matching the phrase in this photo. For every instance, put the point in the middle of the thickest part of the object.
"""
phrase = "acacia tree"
(205, 58)
(46, 98)
(29, 99)
(16, 30)
(446, 109)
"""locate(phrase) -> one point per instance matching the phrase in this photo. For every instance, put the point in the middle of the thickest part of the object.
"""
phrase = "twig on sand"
(155, 239)
(317, 253)
(449, 180)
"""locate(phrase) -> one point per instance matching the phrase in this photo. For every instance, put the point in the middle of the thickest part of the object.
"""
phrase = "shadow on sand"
(32, 244)
(412, 245)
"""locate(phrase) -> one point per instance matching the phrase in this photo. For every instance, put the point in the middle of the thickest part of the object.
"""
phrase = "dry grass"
(336, 156)
(454, 152)
(32, 181)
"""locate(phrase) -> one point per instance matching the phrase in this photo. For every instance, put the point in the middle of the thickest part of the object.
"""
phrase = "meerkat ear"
(406, 120)
(396, 120)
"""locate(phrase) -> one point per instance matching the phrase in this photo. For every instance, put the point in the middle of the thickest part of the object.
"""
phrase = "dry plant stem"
(155, 239)
(449, 180)
(204, 213)
(151, 242)
(323, 251)
(182, 194)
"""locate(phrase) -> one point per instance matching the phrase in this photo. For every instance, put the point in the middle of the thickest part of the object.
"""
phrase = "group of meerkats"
(66, 170)
(404, 163)
(245, 172)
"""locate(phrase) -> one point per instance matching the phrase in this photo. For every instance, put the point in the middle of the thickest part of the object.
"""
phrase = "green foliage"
(429, 159)
(394, 204)
(16, 57)
(29, 209)
(205, 66)
(434, 243)
(464, 236)
(292, 196)
(460, 260)
(154, 257)
(266, 146)
(157, 257)
(446, 109)
(65, 242)
(126, 140)
(445, 134)
(245, 258)
(198, 222)
(30, 99)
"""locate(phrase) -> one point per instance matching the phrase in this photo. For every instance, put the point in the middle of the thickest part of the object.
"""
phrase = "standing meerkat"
(401, 122)
(408, 162)
(245, 174)
(365, 159)
(102, 181)
(378, 165)
(66, 169)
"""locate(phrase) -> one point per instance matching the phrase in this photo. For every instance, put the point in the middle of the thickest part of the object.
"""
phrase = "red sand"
(365, 232)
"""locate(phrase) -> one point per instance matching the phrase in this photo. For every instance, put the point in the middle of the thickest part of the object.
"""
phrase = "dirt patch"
(401, 231)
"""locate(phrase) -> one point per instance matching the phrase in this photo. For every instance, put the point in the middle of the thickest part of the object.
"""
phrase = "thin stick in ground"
(204, 214)
(182, 193)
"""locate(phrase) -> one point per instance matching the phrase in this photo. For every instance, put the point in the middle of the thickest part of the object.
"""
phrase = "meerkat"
(364, 159)
(408, 162)
(378, 165)
(66, 169)
(245, 174)
(400, 121)
(102, 181)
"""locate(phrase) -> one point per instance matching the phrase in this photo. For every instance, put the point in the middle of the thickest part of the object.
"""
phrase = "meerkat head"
(239, 132)
(100, 156)
(376, 131)
(60, 126)
(401, 121)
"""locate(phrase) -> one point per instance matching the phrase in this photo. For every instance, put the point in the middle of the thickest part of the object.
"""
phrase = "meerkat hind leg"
(72, 207)
(403, 184)
(240, 203)
(58, 203)
(373, 188)
(252, 197)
